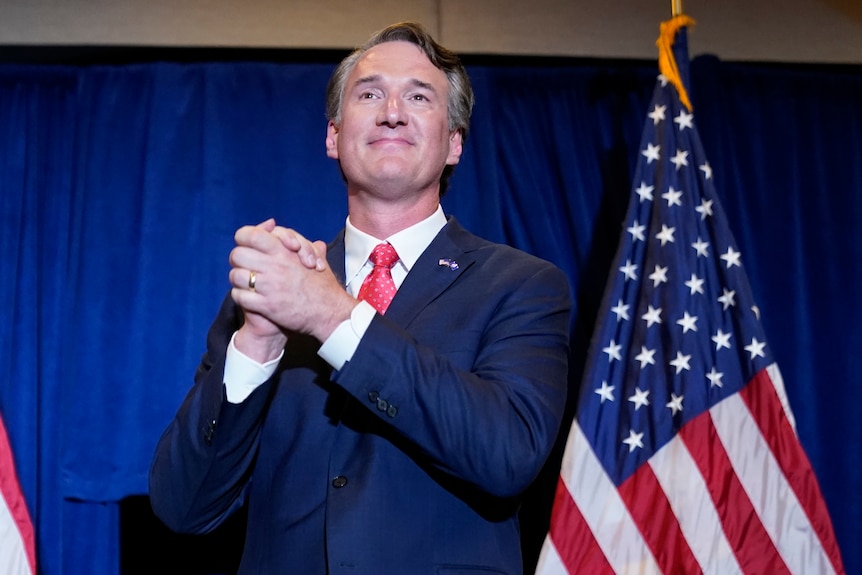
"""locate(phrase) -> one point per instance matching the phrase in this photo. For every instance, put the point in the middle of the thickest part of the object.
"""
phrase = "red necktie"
(378, 289)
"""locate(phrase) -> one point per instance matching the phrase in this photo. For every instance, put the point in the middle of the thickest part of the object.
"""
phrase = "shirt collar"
(409, 243)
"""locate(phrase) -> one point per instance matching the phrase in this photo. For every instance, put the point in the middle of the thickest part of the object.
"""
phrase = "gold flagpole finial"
(676, 8)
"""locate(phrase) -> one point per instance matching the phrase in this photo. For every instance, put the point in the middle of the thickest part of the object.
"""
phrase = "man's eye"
(418, 97)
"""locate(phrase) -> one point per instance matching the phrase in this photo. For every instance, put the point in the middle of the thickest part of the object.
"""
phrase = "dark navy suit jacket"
(411, 458)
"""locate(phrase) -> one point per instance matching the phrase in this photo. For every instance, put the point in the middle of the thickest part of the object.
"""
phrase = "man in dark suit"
(371, 431)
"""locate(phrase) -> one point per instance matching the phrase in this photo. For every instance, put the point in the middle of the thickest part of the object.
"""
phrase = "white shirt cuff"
(342, 343)
(242, 375)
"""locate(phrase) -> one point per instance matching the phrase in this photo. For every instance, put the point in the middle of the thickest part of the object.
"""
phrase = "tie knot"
(383, 255)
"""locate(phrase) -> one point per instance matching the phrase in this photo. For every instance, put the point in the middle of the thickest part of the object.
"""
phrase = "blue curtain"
(121, 187)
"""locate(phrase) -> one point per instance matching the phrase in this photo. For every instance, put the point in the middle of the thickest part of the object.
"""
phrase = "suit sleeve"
(492, 419)
(204, 458)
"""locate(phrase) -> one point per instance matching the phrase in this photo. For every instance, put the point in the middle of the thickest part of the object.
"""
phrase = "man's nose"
(393, 113)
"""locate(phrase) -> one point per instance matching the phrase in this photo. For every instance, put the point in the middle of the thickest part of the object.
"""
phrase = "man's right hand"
(283, 278)
(260, 338)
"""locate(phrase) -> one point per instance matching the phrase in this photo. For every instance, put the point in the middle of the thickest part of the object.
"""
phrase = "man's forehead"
(396, 58)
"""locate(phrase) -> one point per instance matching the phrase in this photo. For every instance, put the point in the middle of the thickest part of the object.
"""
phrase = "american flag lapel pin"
(451, 264)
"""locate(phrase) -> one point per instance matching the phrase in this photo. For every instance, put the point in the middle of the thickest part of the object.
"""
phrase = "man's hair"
(460, 97)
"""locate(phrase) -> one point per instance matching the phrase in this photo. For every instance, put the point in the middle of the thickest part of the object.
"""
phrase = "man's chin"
(392, 170)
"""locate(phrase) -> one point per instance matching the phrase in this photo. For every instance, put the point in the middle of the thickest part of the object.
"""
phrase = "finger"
(256, 237)
(247, 231)
(296, 242)
(248, 258)
(267, 224)
(242, 298)
(320, 250)
(291, 239)
(243, 279)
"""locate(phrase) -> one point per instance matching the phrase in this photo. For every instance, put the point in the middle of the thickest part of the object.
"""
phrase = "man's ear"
(456, 146)
(332, 140)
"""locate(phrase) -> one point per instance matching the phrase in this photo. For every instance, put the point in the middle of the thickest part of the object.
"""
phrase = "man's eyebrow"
(376, 77)
(367, 80)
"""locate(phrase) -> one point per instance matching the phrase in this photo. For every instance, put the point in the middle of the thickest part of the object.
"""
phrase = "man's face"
(394, 136)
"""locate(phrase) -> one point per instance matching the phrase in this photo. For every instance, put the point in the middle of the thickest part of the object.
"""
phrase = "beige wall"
(780, 30)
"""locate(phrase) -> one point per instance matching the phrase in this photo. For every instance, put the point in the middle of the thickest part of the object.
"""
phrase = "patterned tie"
(378, 289)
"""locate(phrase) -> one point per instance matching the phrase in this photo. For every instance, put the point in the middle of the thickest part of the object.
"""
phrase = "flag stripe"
(698, 518)
(17, 539)
(550, 560)
(651, 510)
(617, 536)
(575, 546)
(13, 552)
(790, 504)
(749, 540)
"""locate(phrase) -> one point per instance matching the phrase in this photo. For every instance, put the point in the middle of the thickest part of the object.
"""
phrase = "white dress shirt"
(242, 375)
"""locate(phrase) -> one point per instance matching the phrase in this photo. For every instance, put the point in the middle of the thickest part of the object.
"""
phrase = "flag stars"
(707, 171)
(657, 114)
(680, 159)
(731, 257)
(630, 270)
(652, 153)
(727, 298)
(644, 192)
(652, 316)
(704, 209)
(688, 322)
(659, 275)
(675, 403)
(755, 348)
(695, 284)
(605, 392)
(640, 398)
(714, 378)
(637, 231)
(634, 440)
(684, 120)
(673, 197)
(680, 362)
(701, 248)
(665, 235)
(621, 310)
(613, 350)
(646, 356)
(721, 340)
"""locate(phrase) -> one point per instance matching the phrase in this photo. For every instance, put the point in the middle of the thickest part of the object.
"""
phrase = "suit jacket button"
(392, 411)
(382, 404)
(209, 431)
(339, 482)
(372, 396)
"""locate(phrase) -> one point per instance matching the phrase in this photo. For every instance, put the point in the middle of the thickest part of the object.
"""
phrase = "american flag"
(683, 456)
(17, 539)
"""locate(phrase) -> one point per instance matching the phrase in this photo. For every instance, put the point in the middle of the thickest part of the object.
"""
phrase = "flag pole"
(676, 8)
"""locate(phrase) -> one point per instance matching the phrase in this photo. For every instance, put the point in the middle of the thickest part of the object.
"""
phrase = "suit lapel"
(335, 257)
(440, 265)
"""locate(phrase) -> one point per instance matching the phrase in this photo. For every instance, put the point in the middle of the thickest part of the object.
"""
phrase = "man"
(361, 442)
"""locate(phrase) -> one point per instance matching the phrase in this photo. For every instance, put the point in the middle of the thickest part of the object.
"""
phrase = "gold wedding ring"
(252, 279)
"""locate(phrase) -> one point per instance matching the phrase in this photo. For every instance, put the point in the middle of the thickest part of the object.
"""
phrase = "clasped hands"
(294, 289)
